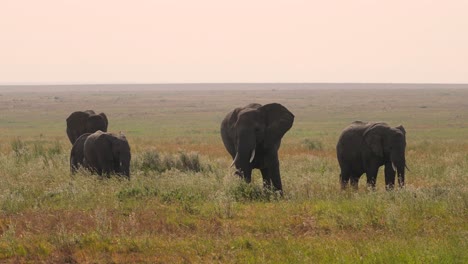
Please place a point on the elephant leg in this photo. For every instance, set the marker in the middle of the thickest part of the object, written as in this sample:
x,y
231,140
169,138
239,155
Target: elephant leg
x,y
116,167
248,176
354,180
104,166
73,165
389,177
401,181
95,168
275,177
266,178
107,168
344,178
372,176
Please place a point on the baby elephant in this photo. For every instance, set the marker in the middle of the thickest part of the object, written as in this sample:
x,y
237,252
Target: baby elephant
x,y
364,147
107,153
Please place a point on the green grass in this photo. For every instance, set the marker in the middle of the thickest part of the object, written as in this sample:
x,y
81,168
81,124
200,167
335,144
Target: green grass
x,y
184,205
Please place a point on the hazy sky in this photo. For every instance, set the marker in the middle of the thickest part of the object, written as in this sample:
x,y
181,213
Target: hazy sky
x,y
143,41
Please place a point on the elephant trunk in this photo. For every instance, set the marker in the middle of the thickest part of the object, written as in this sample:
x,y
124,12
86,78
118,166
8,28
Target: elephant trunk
x,y
243,162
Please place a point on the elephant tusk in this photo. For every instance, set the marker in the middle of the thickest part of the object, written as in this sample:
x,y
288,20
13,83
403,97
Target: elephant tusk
x,y
234,161
253,156
393,166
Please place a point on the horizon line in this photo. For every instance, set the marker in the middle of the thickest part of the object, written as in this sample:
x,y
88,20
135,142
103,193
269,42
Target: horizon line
x,y
229,83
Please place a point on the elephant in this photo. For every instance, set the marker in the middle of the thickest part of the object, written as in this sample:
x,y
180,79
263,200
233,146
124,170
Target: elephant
x,y
88,121
252,136
364,147
106,153
77,153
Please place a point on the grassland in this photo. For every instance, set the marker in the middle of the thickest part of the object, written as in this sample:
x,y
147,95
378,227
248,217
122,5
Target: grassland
x,y
171,212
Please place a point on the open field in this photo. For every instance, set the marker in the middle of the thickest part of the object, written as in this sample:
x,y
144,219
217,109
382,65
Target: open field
x,y
201,213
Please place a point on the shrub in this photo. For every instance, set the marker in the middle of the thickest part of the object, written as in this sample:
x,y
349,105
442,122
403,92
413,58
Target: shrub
x,y
153,161
18,147
312,144
189,162
168,162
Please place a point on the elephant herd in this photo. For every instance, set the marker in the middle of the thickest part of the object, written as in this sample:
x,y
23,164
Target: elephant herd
x,y
252,136
94,148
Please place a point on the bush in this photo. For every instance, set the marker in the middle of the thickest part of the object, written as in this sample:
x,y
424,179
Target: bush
x,y
311,144
153,161
19,147
188,162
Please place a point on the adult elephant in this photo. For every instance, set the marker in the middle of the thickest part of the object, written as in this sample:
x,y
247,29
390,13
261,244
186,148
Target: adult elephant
x,y
88,121
252,135
364,147
77,153
106,153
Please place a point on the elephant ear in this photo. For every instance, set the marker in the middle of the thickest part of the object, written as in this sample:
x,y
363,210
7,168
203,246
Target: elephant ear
x,y
278,121
232,117
77,118
105,120
402,129
374,138
95,123
76,125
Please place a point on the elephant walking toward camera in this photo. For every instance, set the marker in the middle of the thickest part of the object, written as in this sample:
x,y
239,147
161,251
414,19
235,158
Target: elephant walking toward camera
x,y
77,153
81,122
364,147
106,153
252,136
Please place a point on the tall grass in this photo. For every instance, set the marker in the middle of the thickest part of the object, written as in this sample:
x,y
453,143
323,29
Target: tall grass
x,y
46,213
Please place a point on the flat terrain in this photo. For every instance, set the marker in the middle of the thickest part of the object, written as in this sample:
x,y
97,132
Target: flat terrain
x,y
182,204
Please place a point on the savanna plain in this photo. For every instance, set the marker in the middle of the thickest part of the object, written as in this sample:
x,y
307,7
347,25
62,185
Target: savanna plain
x,y
184,205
